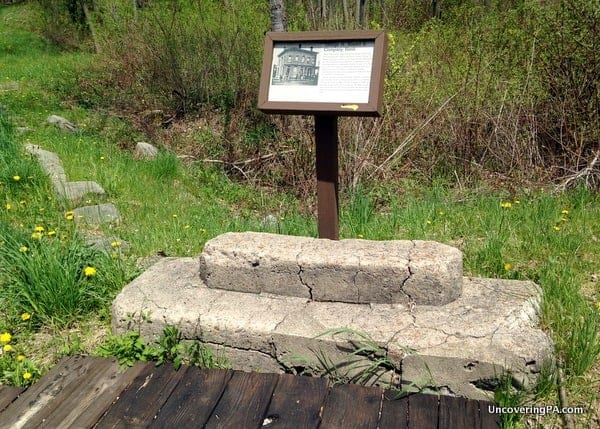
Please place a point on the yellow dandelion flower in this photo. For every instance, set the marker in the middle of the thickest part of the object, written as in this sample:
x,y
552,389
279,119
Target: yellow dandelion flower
x,y
5,337
441,213
8,206
7,348
556,228
517,202
25,316
89,271
36,235
69,215
506,204
16,178
564,219
27,375
361,236
20,358
565,212
428,222
23,249
598,305
507,267
39,229
51,233
116,244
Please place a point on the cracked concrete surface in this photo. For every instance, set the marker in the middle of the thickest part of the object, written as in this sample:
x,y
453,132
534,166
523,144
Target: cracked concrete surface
x,y
460,345
354,271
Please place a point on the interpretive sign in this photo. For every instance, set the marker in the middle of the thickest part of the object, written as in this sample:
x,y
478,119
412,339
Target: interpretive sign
x,y
316,72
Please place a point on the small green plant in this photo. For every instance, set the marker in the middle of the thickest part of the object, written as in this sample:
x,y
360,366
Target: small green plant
x,y
130,348
506,395
365,363
16,369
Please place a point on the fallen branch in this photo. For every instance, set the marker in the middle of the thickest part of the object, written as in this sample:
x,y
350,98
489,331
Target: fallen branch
x,y
587,172
247,161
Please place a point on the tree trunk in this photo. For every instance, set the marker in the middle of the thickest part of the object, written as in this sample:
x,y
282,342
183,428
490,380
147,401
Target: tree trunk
x,y
278,18
90,25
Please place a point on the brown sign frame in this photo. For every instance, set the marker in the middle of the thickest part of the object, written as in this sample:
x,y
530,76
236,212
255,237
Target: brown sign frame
x,y
336,40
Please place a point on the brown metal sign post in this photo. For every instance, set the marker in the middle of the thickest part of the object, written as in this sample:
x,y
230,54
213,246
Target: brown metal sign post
x,y
326,74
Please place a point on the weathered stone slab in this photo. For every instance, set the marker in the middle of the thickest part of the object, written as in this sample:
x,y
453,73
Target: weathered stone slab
x,y
97,214
62,123
50,163
355,271
461,346
76,191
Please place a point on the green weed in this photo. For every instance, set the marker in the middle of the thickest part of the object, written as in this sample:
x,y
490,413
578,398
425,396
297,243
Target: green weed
x,y
130,348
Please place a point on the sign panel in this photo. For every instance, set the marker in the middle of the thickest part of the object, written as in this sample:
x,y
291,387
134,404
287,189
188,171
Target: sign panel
x,y
338,72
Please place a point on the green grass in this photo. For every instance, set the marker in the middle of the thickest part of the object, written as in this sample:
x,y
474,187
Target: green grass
x,y
174,207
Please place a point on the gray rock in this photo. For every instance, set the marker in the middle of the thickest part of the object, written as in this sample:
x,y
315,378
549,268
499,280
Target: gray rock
x,y
356,271
145,150
62,123
76,191
50,163
97,214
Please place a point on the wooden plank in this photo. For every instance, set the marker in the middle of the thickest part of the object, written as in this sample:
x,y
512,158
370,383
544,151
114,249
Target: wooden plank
x,y
488,420
423,411
82,407
194,399
394,411
458,413
352,406
296,403
142,400
244,401
8,394
37,402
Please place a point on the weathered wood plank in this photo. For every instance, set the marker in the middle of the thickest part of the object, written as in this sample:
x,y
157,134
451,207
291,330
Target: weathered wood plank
x,y
8,394
352,406
458,413
97,391
296,403
36,403
488,421
244,401
194,399
142,400
423,411
394,412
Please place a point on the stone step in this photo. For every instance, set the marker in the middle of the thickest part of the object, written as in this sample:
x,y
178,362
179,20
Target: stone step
x,y
77,191
97,214
458,346
355,271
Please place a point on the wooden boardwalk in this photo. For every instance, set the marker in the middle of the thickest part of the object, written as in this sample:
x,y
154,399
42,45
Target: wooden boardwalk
x,y
88,392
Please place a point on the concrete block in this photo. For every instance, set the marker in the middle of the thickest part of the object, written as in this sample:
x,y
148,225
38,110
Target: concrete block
x,y
457,347
354,271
